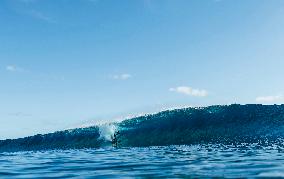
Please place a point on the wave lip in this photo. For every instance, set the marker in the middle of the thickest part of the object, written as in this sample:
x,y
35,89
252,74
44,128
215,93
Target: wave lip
x,y
231,124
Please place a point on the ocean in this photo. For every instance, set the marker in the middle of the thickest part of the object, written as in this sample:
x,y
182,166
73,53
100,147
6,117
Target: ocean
x,y
235,141
177,161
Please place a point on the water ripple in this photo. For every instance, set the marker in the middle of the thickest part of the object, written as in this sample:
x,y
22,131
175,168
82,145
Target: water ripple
x,y
171,161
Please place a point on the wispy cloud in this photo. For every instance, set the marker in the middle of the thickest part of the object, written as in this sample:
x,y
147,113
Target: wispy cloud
x,y
186,90
43,76
19,114
269,99
41,16
28,10
13,68
124,76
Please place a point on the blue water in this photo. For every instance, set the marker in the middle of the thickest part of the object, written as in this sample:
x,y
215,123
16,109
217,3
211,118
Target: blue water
x,y
247,160
232,141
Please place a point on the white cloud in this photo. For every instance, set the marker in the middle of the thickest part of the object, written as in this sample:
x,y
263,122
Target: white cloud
x,y
124,76
269,99
13,68
189,91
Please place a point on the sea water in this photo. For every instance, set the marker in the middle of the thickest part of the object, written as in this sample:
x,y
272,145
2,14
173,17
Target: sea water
x,y
247,160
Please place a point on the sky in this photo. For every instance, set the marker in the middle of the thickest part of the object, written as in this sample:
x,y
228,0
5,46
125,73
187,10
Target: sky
x,y
73,63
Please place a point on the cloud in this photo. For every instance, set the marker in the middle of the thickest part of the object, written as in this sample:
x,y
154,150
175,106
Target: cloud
x,y
42,76
13,68
39,15
189,91
124,76
19,114
269,99
36,14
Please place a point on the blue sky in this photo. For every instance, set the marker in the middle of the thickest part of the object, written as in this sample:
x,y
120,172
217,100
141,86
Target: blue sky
x,y
68,63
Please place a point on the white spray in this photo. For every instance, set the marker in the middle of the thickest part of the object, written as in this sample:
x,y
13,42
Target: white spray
x,y
107,131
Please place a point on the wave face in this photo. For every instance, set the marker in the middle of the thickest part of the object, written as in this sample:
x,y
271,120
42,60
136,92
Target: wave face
x,y
233,124
68,139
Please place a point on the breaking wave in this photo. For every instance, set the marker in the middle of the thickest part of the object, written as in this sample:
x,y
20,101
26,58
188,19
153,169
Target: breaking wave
x,y
232,124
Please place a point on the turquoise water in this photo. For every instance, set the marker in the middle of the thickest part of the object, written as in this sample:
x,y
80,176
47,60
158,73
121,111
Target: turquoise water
x,y
247,160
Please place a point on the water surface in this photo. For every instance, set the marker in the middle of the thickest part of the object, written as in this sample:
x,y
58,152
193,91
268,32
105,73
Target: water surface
x,y
247,160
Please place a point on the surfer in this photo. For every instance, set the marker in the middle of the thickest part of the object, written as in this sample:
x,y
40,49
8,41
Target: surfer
x,y
114,140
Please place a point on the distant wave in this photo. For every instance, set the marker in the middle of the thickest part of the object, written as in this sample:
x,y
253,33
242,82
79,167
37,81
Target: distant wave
x,y
232,124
